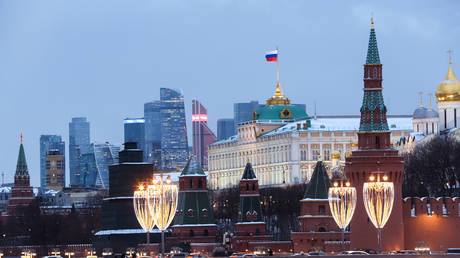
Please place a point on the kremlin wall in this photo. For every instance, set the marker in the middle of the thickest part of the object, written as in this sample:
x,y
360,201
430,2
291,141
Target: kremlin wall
x,y
414,222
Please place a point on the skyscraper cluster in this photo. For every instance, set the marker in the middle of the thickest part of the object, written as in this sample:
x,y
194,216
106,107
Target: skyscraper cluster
x,y
162,132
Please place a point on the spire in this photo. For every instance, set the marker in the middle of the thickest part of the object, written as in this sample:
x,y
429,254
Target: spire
x,y
450,73
319,183
431,100
248,173
21,167
372,50
192,168
278,98
421,98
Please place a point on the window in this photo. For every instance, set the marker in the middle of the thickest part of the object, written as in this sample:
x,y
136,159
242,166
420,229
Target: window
x,y
444,209
455,117
412,210
375,72
190,212
192,233
206,232
321,209
253,187
321,229
257,231
247,187
377,142
191,183
445,118
205,212
432,127
200,183
428,209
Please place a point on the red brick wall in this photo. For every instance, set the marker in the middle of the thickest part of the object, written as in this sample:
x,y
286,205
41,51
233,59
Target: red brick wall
x,y
438,231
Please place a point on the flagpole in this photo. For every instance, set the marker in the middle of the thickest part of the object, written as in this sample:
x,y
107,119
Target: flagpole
x,y
277,67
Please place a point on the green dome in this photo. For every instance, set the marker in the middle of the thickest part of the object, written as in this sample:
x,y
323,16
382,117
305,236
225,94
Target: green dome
x,y
279,112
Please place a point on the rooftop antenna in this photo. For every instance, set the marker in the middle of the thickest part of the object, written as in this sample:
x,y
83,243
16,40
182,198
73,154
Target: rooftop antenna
x,y
3,178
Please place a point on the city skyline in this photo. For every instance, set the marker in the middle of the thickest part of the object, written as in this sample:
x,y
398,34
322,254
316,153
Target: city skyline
x,y
409,67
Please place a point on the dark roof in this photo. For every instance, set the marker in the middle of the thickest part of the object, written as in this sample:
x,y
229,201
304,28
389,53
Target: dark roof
x,y
372,50
21,167
319,184
422,112
248,172
192,168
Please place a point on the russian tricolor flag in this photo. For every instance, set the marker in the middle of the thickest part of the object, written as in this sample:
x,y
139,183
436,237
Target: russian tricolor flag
x,y
272,56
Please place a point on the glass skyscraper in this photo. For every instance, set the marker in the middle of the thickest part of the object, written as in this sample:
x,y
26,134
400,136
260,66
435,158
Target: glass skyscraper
x,y
94,164
134,129
79,142
202,134
152,132
174,145
225,128
48,143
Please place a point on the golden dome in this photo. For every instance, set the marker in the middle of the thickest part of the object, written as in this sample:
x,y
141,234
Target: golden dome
x,y
449,89
335,155
278,98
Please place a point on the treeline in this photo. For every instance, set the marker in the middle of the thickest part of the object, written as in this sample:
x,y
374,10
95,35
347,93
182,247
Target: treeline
x,y
280,208
433,168
32,227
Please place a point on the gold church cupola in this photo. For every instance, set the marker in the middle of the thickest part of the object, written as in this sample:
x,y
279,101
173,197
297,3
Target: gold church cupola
x,y
449,89
278,98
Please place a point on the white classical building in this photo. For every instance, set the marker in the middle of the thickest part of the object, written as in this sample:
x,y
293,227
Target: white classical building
x,y
448,96
283,144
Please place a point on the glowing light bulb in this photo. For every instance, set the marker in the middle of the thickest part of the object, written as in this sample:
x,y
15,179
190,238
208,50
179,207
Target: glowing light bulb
x,y
155,181
385,178
347,184
336,184
141,188
372,178
168,180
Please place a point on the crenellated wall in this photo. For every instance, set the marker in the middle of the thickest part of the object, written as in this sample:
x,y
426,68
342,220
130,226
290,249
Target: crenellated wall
x,y
433,222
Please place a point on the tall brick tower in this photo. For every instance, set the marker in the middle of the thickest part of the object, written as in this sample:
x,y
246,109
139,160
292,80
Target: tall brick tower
x,y
375,154
21,193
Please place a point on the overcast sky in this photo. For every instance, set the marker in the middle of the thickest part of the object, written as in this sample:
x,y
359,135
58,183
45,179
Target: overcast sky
x,y
103,59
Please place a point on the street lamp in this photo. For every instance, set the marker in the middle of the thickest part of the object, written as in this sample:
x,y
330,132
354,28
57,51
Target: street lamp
x,y
162,203
142,211
69,254
91,254
378,199
342,202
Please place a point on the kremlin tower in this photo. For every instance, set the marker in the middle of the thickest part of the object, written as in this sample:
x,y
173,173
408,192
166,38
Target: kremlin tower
x,y
375,155
21,193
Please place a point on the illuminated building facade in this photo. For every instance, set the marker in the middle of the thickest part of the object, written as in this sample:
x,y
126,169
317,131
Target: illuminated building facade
x,y
134,131
174,145
202,134
283,145
94,164
79,142
55,164
47,143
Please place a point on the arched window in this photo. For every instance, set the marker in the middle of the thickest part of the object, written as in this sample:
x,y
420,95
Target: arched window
x,y
200,183
377,142
191,183
206,232
247,187
205,212
253,187
190,212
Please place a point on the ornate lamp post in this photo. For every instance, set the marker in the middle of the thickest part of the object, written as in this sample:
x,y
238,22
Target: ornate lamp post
x,y
162,203
342,202
378,200
141,208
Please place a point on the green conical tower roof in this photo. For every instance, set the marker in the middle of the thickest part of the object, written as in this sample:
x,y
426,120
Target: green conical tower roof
x,y
192,168
248,172
319,184
372,50
21,167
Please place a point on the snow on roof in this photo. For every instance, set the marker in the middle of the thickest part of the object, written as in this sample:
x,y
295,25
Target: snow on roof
x,y
341,124
125,231
5,189
229,139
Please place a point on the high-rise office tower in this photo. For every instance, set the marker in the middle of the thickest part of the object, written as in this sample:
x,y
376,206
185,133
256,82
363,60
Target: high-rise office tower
x,y
243,112
152,133
225,128
95,162
174,146
202,135
54,170
47,143
134,129
105,154
79,142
